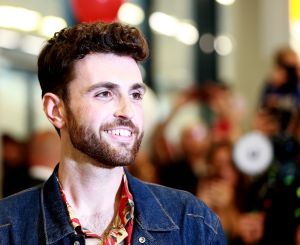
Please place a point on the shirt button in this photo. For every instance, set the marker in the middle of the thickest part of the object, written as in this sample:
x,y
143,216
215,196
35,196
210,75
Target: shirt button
x,y
142,239
76,243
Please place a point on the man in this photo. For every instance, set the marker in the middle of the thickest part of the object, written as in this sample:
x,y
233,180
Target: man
x,y
92,93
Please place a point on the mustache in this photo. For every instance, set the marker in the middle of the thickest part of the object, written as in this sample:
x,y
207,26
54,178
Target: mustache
x,y
121,123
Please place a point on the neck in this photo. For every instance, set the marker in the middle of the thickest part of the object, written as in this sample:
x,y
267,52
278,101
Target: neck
x,y
90,189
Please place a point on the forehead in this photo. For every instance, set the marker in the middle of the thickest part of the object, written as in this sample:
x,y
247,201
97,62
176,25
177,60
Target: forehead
x,y
101,67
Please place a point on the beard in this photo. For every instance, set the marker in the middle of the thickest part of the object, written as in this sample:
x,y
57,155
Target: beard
x,y
105,154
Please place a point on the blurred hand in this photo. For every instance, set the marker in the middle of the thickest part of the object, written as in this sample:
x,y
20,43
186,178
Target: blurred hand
x,y
250,227
297,235
188,95
217,194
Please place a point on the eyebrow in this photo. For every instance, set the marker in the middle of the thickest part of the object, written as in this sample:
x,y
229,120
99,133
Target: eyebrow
x,y
111,85
139,86
108,85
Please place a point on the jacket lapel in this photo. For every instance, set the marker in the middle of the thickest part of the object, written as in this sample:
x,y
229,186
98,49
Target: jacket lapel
x,y
56,222
149,212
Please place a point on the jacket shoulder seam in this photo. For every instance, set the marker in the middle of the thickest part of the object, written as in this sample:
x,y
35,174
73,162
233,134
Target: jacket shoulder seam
x,y
165,211
5,225
213,228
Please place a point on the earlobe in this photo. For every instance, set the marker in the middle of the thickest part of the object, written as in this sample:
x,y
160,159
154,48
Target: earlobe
x,y
53,108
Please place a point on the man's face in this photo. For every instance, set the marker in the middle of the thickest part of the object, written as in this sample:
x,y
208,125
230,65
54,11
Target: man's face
x,y
104,111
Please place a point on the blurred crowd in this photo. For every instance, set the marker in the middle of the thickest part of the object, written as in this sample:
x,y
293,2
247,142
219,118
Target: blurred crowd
x,y
26,164
260,208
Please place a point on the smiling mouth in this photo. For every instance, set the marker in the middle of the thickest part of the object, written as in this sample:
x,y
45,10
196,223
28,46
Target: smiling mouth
x,y
119,132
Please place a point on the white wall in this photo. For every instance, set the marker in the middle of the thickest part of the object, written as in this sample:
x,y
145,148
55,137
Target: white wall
x,y
172,60
258,28
13,103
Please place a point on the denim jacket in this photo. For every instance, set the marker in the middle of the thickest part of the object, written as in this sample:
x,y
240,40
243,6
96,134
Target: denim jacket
x,y
162,216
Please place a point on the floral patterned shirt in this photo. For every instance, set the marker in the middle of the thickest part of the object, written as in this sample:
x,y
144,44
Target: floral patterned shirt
x,y
121,229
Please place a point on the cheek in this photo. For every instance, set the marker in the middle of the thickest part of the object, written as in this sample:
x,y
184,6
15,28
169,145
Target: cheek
x,y
139,115
89,118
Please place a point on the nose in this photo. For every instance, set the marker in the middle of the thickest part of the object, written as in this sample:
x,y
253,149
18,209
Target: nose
x,y
124,109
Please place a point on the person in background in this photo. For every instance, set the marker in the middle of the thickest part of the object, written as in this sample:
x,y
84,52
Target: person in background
x,y
92,91
281,90
143,168
15,173
224,190
43,155
225,125
273,193
180,164
189,166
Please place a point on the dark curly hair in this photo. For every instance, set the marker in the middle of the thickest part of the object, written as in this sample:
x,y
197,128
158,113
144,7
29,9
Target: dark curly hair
x,y
56,60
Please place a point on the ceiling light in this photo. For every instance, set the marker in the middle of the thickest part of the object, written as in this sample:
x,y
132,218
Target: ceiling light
x,y
131,14
51,24
18,18
163,23
225,2
206,43
223,45
187,33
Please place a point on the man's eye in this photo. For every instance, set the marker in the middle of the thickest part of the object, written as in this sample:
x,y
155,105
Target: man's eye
x,y
137,96
104,94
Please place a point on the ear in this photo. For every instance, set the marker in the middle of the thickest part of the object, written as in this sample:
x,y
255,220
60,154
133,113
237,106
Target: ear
x,y
54,109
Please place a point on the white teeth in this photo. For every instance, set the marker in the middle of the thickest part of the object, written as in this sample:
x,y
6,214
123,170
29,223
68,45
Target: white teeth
x,y
120,132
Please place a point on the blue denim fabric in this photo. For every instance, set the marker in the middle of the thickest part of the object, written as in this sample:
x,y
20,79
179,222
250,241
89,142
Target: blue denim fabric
x,y
162,216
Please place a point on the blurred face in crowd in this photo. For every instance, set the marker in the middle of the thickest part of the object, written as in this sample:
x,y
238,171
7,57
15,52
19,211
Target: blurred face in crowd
x,y
104,108
290,58
222,165
265,123
44,149
194,139
12,152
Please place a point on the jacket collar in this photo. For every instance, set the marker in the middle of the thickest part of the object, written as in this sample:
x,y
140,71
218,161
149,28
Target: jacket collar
x,y
56,219
149,212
